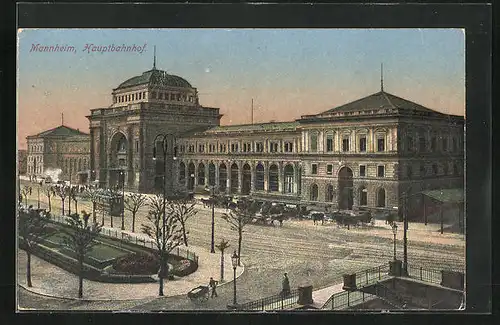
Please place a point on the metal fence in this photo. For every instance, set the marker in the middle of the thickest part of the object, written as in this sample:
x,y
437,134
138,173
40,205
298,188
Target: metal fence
x,y
424,274
134,239
275,302
372,275
346,299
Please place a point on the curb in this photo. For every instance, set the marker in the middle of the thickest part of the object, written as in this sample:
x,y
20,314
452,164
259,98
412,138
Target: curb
x,y
129,299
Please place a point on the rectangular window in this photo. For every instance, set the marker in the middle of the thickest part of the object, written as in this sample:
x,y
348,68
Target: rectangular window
x,y
329,142
288,147
362,171
153,95
380,171
345,144
409,171
201,148
445,144
454,144
314,169
234,147
259,147
160,96
362,144
273,147
380,144
329,169
136,145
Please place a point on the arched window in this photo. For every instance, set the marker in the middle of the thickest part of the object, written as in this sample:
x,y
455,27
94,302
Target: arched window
x,y
259,177
234,178
363,196
329,193
201,174
314,192
381,198
273,178
182,172
288,175
211,174
79,164
222,177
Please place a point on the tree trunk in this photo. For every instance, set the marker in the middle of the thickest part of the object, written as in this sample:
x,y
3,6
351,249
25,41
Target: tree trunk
x,y
133,221
240,237
28,269
76,206
50,205
80,276
184,234
62,206
93,212
222,266
160,276
111,217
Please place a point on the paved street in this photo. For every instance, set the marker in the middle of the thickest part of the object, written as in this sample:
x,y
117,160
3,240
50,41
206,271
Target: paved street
x,y
313,254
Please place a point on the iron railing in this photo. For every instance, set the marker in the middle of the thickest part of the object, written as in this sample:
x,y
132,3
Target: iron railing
x,y
424,274
134,239
346,299
372,275
275,302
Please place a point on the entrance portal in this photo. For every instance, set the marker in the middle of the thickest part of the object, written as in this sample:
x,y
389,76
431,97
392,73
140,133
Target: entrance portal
x,y
345,189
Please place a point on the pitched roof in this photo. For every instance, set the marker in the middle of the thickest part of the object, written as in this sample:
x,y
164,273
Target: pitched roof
x,y
379,100
155,77
260,127
60,131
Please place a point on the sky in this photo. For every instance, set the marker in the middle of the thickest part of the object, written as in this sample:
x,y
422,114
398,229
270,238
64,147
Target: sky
x,y
287,72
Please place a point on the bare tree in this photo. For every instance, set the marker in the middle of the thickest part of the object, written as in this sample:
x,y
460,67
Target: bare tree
x,y
73,195
133,202
25,191
62,192
182,209
165,231
221,246
49,192
92,194
238,218
32,227
80,237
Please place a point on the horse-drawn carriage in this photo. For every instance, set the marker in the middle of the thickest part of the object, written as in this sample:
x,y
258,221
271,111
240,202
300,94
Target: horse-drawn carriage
x,y
199,293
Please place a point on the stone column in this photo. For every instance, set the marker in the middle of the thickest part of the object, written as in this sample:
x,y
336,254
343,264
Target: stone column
x,y
252,172
295,177
371,140
280,178
266,176
216,174
207,173
228,176
195,174
240,177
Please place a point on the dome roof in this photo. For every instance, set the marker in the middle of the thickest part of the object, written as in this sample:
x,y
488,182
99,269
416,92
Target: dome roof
x,y
156,77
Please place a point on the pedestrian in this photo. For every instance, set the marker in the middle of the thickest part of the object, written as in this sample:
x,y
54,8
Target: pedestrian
x,y
213,285
286,285
30,190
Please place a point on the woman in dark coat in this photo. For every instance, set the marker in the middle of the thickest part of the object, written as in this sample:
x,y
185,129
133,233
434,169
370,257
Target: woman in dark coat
x,y
286,285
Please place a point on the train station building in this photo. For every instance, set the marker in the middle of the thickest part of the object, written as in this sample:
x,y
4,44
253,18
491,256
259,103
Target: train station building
x,y
377,152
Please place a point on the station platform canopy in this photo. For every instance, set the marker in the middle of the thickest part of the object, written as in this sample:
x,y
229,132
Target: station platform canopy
x,y
452,195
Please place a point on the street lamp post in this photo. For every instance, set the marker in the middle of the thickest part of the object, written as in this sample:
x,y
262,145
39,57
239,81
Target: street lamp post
x,y
234,261
394,231
38,192
212,249
123,199
164,147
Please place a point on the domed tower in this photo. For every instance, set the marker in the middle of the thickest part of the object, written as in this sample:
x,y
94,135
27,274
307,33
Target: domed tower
x,y
123,134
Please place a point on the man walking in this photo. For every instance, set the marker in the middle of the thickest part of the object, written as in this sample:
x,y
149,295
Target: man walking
x,y
286,285
213,285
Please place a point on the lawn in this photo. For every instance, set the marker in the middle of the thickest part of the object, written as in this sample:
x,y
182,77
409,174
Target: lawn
x,y
100,252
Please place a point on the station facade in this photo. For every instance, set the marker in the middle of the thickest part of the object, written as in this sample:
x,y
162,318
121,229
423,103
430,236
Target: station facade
x,y
374,152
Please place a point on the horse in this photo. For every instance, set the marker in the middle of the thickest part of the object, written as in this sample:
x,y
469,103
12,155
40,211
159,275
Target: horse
x,y
318,216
